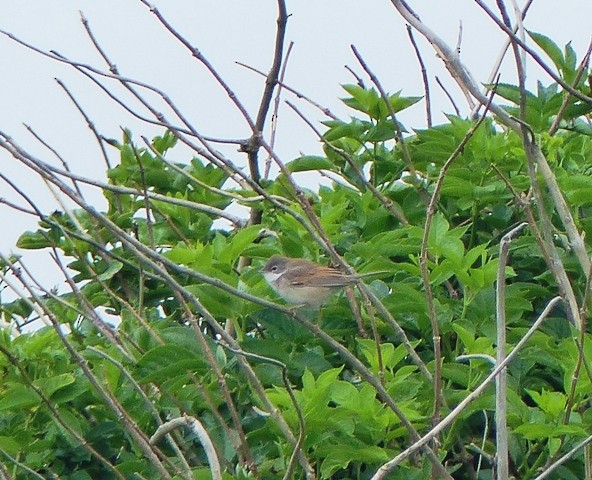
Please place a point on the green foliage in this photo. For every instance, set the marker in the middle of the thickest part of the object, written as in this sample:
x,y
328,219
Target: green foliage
x,y
54,395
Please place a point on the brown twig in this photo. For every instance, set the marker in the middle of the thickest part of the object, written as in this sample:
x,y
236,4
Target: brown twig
x,y
359,80
424,76
389,106
276,108
89,123
447,93
144,187
243,448
452,62
270,83
297,93
545,474
299,415
535,158
149,404
54,152
499,60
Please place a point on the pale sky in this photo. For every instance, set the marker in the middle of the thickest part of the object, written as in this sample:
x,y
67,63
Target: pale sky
x,y
228,31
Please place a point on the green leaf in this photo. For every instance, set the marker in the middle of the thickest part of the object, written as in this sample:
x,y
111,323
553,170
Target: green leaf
x,y
550,48
52,384
459,373
363,100
466,337
570,59
217,301
400,103
339,129
340,456
9,445
17,397
310,162
535,431
113,268
168,361
162,144
33,240
552,403
238,243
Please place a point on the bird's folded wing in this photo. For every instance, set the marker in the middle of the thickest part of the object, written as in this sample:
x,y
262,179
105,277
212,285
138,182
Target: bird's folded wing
x,y
319,277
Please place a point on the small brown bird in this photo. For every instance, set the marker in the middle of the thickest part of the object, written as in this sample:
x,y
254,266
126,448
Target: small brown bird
x,y
303,282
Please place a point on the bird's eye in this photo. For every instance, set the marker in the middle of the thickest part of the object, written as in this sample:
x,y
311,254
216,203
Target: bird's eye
x,y
274,268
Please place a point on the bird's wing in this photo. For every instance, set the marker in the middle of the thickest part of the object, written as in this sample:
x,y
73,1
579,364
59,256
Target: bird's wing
x,y
319,277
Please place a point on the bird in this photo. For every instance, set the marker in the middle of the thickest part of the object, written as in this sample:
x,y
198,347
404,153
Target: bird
x,y
305,283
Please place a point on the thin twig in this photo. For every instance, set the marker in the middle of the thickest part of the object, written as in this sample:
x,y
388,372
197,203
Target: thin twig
x,y
424,76
243,447
359,79
447,93
18,464
55,152
535,158
394,209
301,423
587,441
276,108
389,106
37,303
149,405
89,123
452,62
297,93
270,83
498,63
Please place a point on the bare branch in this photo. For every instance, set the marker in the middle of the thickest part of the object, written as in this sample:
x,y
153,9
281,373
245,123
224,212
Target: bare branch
x,y
276,108
270,83
200,432
501,427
